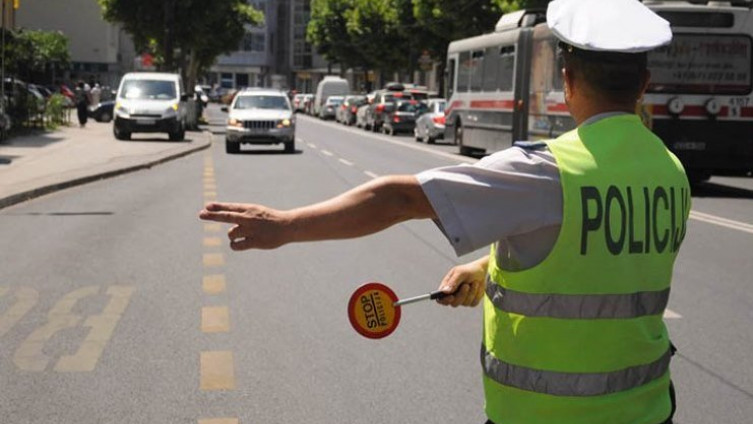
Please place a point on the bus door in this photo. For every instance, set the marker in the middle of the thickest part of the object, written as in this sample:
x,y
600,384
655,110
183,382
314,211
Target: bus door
x,y
521,86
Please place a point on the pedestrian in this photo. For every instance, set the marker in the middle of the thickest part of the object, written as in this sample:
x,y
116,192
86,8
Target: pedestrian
x,y
584,231
82,99
96,94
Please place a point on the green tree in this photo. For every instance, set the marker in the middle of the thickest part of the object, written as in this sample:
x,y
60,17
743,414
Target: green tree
x,y
185,34
31,53
328,32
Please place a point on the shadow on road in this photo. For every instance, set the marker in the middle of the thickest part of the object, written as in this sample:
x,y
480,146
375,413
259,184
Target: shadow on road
x,y
716,190
267,152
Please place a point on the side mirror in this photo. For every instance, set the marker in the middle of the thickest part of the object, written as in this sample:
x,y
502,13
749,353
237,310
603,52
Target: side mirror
x,y
224,108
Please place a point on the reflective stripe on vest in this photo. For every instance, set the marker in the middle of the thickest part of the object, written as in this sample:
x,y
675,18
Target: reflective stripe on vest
x,y
572,384
568,306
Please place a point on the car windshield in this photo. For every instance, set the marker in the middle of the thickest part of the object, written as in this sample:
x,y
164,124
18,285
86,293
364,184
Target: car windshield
x,y
148,89
261,102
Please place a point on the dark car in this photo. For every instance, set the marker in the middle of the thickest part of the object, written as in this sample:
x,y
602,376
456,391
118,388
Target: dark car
x,y
103,111
346,114
384,103
402,118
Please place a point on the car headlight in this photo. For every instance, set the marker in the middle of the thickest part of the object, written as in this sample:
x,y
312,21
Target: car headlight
x,y
234,123
171,111
285,123
122,110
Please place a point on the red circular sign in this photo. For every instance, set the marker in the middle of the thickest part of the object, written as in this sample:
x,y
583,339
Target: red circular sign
x,y
371,311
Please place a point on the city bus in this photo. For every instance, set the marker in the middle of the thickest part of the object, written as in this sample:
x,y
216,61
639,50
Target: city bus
x,y
507,86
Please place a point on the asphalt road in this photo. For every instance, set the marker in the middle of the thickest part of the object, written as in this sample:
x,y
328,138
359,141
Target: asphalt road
x,y
118,306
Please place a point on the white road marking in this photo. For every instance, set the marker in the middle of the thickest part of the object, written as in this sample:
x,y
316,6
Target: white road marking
x,y
698,216
345,162
411,145
327,153
723,222
371,174
670,314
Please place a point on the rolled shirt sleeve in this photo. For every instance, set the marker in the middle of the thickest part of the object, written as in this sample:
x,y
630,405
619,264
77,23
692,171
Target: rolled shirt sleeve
x,y
509,193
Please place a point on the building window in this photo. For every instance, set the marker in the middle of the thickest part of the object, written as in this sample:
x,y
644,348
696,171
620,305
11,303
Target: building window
x,y
254,42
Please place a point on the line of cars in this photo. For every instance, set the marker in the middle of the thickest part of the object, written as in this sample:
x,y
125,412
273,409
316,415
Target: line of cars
x,y
397,108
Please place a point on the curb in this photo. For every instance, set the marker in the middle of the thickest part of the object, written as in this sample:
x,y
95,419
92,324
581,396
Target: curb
x,y
17,198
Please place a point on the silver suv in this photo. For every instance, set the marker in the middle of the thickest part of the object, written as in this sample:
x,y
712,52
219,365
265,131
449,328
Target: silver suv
x,y
258,116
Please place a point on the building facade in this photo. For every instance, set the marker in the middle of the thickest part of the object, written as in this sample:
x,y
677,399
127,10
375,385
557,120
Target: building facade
x,y
99,50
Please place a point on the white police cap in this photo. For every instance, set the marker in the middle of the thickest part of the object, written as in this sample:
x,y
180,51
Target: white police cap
x,y
620,26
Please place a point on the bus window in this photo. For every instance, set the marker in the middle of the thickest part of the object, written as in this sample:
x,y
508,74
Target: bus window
x,y
464,72
506,68
477,70
491,69
451,78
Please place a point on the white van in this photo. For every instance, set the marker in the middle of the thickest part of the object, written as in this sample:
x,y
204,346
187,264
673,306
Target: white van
x,y
150,102
329,86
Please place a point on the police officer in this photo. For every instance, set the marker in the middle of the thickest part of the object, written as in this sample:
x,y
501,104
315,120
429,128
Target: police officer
x,y
584,232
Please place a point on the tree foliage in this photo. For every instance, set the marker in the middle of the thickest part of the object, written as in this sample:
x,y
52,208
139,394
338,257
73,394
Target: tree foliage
x,y
390,35
185,34
35,51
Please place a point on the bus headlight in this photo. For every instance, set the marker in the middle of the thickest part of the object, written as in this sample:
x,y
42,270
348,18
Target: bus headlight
x,y
713,107
675,106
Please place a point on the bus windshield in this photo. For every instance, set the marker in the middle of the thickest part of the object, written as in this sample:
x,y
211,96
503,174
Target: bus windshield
x,y
702,64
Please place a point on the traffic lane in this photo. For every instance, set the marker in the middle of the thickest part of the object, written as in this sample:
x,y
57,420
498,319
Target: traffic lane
x,y
293,336
726,197
713,369
137,232
377,153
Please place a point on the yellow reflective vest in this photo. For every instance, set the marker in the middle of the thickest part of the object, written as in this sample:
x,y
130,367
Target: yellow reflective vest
x,y
579,338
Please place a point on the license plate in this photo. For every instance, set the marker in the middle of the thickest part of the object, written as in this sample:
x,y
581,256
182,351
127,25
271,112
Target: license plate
x,y
690,145
146,121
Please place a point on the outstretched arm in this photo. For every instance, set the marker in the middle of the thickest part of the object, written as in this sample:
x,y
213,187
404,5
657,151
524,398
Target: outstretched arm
x,y
366,209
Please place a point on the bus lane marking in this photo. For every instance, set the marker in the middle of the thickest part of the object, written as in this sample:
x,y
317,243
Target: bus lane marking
x,y
26,298
215,319
217,371
345,162
371,174
670,314
30,356
327,153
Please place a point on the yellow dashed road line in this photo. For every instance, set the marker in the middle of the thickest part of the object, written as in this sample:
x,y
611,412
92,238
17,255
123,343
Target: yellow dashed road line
x,y
214,259
215,319
217,371
214,284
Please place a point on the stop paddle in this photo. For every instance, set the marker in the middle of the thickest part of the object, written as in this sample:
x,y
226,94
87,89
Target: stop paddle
x,y
374,309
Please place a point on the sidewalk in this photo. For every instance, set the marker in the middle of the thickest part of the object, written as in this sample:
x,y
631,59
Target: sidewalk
x,y
42,163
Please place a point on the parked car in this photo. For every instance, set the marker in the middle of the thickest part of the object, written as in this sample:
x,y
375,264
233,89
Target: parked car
x,y
260,116
361,116
430,125
402,118
328,109
103,111
346,113
384,102
298,102
150,102
329,86
308,104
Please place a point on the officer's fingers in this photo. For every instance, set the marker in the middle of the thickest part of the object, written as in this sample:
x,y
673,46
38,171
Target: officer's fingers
x,y
242,244
228,217
227,207
479,295
460,295
238,232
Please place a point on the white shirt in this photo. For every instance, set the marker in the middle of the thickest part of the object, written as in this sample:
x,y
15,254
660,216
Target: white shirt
x,y
513,197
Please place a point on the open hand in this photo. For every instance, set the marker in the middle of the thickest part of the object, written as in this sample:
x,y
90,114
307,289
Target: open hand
x,y
256,226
